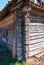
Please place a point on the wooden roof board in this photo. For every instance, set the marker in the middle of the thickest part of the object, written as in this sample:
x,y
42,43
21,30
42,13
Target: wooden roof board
x,y
34,9
37,10
8,8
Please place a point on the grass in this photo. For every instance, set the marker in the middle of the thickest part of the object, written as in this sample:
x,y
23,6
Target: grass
x,y
9,61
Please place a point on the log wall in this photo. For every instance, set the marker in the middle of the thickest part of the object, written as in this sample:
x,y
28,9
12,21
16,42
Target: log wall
x,y
18,30
26,36
34,33
10,39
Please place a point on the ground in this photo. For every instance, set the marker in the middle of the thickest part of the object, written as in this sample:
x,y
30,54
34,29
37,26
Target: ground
x,y
31,61
6,58
36,61
4,53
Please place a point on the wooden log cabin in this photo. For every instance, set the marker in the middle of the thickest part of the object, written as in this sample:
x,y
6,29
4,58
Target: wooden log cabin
x,y
22,29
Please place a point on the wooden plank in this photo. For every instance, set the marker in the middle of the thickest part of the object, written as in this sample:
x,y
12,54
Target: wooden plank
x,y
10,38
36,51
36,37
36,24
39,55
36,47
36,44
36,32
36,40
33,34
14,49
36,28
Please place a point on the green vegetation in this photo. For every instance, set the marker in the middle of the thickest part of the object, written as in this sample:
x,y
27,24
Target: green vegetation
x,y
9,61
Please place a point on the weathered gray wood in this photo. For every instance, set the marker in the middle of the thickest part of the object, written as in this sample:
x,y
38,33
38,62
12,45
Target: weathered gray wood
x,y
0,37
36,51
26,35
19,43
36,40
10,38
34,35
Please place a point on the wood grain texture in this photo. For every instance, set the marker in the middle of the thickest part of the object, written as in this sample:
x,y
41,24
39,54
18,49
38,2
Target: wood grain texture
x,y
36,35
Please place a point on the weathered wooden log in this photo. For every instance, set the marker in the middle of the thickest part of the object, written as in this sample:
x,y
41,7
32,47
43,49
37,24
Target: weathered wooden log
x,y
15,41
4,36
19,35
14,49
10,39
26,35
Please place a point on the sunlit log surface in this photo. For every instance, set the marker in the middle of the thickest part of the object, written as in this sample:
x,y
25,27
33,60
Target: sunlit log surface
x,y
25,29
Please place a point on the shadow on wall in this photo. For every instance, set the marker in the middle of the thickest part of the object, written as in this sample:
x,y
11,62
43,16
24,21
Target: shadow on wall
x,y
36,19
